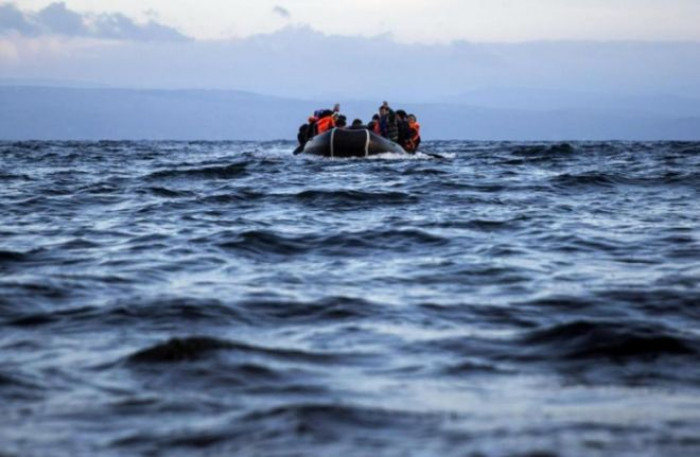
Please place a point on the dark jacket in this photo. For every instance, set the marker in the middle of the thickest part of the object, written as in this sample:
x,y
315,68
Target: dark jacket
x,y
403,130
306,132
388,125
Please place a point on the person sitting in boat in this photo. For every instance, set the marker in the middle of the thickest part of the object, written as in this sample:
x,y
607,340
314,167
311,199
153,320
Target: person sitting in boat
x,y
387,123
326,121
323,112
306,132
341,121
402,126
357,124
374,125
413,140
325,118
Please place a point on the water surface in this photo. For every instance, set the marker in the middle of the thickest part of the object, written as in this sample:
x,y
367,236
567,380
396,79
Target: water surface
x,y
508,299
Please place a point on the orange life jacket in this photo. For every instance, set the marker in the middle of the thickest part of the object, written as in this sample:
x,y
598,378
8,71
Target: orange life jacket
x,y
413,142
325,123
414,126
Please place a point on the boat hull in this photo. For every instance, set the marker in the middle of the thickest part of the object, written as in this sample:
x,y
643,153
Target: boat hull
x,y
350,143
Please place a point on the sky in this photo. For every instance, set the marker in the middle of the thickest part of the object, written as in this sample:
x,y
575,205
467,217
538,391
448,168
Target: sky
x,y
431,50
617,57
410,21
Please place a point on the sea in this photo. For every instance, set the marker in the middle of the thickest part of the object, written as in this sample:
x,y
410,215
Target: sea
x,y
231,299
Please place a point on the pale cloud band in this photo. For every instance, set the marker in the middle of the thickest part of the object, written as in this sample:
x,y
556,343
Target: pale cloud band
x,y
407,21
57,19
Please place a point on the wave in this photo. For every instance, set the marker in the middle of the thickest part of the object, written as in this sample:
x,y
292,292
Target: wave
x,y
135,314
233,196
322,312
567,180
321,416
160,191
304,428
267,242
586,340
675,299
546,150
198,313
393,239
482,225
340,198
470,368
4,176
684,147
192,348
235,170
609,180
181,349
19,386
10,257
36,290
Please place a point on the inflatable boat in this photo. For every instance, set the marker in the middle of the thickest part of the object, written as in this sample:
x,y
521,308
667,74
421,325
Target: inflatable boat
x,y
339,142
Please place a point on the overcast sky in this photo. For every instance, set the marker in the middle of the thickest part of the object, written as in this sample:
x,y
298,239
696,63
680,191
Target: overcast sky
x,y
414,50
425,21
615,56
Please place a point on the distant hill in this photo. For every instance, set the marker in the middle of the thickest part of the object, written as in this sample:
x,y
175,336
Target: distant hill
x,y
68,113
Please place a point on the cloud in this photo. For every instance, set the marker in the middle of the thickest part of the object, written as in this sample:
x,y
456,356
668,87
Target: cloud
x,y
119,27
12,19
57,19
282,11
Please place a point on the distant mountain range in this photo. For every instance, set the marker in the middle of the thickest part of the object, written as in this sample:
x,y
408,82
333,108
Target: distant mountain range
x,y
69,112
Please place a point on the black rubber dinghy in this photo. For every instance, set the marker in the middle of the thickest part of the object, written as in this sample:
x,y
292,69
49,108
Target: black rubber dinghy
x,y
350,143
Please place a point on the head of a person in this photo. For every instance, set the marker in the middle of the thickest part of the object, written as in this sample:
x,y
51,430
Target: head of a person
x,y
383,110
311,119
336,108
356,122
341,121
412,118
375,117
401,114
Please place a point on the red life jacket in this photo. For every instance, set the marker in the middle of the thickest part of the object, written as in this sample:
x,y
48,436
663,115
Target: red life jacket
x,y
325,123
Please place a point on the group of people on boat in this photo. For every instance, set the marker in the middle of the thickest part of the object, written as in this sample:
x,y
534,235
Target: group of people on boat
x,y
397,126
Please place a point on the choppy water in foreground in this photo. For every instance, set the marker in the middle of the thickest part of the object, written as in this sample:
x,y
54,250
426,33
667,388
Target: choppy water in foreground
x,y
509,299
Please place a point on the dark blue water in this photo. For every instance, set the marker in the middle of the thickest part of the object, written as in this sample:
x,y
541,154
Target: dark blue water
x,y
507,299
